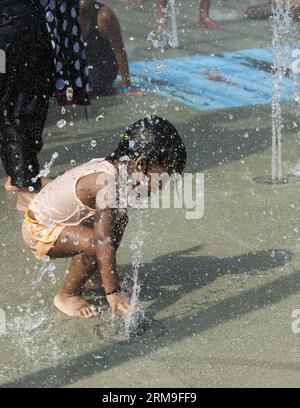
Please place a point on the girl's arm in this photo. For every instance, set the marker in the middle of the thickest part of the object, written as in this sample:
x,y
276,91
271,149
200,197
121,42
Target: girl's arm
x,y
107,236
104,227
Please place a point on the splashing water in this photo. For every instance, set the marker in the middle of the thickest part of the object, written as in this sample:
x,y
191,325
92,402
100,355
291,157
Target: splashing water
x,y
61,123
166,37
47,167
158,41
174,42
135,323
136,315
35,337
47,268
283,32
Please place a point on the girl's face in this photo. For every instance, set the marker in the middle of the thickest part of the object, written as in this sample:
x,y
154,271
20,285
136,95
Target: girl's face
x,y
141,173
157,169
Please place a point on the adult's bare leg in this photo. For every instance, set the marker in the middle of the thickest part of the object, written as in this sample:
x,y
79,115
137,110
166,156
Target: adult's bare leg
x,y
204,20
260,12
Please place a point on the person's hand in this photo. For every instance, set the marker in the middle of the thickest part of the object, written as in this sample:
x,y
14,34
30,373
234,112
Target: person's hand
x,y
131,91
134,93
119,301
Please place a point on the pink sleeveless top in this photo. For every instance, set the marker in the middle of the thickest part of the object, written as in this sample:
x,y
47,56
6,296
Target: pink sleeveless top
x,y
57,203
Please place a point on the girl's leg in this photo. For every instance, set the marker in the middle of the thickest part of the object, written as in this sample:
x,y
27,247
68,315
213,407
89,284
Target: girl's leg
x,y
77,242
69,300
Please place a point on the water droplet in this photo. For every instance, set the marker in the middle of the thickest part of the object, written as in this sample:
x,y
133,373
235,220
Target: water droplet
x,y
93,144
99,117
51,267
69,93
61,123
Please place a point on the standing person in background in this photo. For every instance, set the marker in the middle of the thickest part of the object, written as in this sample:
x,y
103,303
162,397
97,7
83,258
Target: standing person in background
x,y
35,71
204,20
105,48
25,89
264,11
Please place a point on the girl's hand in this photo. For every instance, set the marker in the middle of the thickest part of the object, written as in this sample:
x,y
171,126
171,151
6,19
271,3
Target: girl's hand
x,y
119,301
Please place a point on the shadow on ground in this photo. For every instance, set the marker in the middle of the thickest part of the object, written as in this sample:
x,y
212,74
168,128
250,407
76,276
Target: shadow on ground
x,y
190,272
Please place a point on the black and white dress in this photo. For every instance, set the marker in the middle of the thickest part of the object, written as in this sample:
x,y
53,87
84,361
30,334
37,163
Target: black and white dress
x,y
71,71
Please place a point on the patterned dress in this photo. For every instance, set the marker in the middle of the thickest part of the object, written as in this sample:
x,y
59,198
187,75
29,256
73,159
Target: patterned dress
x,y
70,59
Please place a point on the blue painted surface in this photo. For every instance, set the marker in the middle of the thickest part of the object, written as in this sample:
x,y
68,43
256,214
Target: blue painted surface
x,y
206,82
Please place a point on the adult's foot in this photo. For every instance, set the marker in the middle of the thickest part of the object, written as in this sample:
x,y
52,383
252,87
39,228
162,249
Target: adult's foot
x,y
23,200
8,186
75,306
207,22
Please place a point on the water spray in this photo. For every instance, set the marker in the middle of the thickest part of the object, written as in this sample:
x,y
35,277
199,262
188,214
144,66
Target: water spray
x,y
166,37
174,42
282,23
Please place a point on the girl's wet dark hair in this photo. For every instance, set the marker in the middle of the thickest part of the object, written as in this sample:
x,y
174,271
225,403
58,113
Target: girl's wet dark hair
x,y
157,140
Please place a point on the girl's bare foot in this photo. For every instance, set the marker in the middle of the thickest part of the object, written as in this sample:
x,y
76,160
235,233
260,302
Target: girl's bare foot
x,y
75,306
